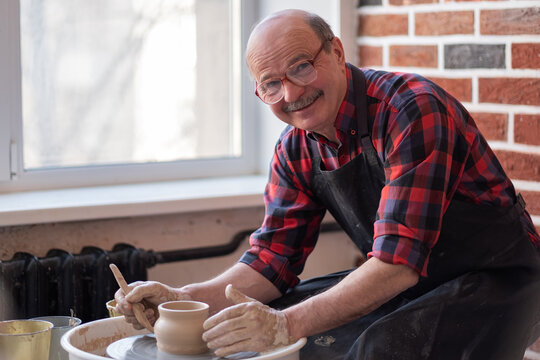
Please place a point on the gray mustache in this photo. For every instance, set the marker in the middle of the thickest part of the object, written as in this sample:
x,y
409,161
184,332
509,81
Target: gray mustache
x,y
302,102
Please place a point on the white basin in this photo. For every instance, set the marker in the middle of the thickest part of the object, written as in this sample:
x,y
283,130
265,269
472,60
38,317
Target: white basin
x,y
89,341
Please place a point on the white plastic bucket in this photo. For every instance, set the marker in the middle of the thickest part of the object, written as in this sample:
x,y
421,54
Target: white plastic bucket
x,y
89,341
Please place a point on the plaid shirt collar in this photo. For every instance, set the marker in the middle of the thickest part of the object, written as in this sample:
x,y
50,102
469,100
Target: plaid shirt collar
x,y
345,120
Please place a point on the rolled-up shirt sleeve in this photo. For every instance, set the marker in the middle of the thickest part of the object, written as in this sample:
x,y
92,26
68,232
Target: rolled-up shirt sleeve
x,y
425,154
289,232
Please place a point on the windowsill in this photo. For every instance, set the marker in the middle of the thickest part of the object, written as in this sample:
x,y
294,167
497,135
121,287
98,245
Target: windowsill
x,y
102,202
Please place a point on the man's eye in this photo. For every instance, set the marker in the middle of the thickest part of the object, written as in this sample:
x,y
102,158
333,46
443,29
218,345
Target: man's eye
x,y
272,85
299,69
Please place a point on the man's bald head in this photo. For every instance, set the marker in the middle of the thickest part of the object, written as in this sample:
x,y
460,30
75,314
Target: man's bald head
x,y
266,28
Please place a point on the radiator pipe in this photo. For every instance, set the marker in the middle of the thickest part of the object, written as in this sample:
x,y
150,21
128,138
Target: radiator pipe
x,y
163,257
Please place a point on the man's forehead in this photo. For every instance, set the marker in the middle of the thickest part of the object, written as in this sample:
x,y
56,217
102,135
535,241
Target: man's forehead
x,y
273,62
290,42
280,47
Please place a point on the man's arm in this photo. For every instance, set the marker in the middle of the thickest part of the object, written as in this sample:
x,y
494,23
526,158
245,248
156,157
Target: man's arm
x,y
362,291
251,326
242,277
211,292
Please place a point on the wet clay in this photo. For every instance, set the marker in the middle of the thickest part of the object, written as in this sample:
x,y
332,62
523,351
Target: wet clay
x,y
98,345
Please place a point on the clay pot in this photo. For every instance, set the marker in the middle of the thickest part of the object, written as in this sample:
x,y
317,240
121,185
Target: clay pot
x,y
179,327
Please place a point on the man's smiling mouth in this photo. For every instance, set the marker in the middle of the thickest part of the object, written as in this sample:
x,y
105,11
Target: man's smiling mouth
x,y
302,103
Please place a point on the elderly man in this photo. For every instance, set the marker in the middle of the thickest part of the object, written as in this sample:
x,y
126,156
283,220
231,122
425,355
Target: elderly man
x,y
453,265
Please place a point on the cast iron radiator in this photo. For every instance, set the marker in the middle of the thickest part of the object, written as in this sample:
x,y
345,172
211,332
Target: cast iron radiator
x,y
62,282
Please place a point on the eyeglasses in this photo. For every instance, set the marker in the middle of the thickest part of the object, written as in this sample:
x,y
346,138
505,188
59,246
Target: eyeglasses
x,y
301,73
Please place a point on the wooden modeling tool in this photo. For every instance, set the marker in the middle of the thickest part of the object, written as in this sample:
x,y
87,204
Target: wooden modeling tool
x,y
138,308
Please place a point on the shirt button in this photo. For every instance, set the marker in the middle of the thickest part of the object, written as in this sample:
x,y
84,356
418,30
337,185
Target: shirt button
x,y
353,132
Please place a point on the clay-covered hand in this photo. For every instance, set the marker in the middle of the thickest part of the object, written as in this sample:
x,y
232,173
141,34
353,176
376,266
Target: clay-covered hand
x,y
248,325
150,294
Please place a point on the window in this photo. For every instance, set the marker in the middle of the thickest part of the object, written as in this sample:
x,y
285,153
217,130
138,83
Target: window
x,y
113,91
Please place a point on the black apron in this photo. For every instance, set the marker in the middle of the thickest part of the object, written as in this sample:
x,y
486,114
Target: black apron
x,y
480,300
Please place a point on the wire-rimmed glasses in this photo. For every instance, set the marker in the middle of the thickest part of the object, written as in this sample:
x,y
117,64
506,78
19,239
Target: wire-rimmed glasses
x,y
300,73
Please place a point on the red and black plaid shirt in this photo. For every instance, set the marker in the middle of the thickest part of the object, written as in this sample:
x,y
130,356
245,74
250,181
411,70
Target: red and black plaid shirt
x,y
432,152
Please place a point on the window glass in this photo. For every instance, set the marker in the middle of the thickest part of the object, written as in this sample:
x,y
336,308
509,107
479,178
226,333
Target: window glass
x,y
117,81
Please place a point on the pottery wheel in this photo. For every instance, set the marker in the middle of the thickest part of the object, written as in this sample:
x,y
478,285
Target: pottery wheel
x,y
144,347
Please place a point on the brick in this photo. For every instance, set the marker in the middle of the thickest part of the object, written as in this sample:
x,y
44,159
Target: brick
x,y
517,91
369,2
411,2
526,56
460,88
474,56
413,55
532,198
519,165
383,25
510,21
527,129
494,126
369,55
444,23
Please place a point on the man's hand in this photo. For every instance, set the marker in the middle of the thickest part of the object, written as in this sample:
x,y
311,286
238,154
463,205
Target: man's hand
x,y
246,326
150,294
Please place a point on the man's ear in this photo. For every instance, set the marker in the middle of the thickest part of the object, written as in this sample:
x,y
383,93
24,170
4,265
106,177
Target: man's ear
x,y
338,51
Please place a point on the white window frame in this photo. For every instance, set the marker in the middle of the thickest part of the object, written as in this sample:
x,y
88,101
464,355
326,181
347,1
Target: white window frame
x,y
261,130
14,178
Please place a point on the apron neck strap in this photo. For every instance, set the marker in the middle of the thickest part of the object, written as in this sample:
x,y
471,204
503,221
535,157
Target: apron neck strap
x,y
359,83
361,110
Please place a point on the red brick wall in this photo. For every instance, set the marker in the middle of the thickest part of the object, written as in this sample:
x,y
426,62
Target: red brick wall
x,y
485,53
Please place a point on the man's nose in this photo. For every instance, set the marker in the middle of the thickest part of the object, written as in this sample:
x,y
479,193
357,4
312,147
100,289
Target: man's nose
x,y
291,91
